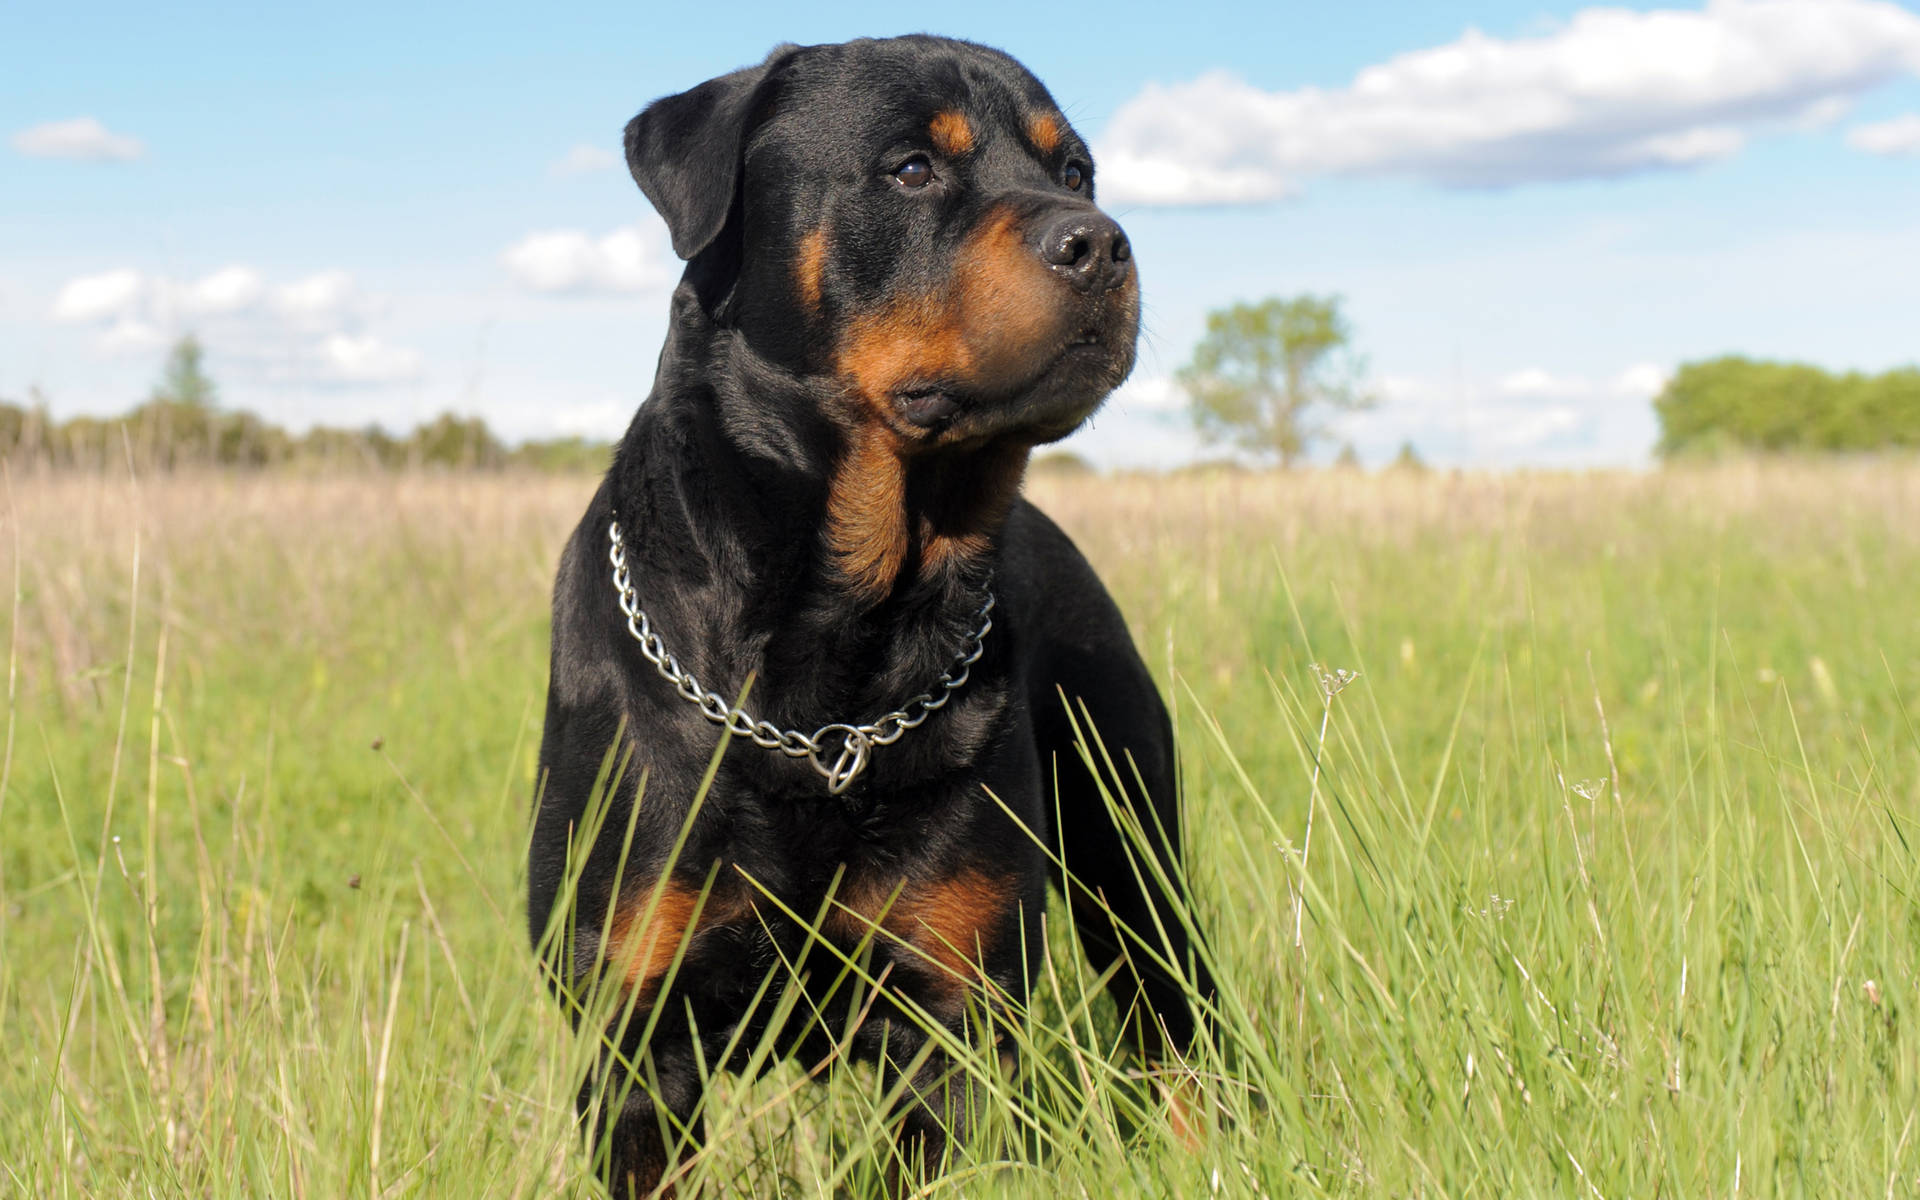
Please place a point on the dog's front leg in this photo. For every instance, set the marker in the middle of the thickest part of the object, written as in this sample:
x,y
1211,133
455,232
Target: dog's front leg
x,y
941,1095
936,1118
644,1124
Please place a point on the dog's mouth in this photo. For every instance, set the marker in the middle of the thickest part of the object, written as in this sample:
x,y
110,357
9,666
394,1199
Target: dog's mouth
x,y
937,405
927,407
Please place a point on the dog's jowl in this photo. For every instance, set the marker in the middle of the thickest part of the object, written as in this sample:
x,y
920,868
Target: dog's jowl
x,y
811,543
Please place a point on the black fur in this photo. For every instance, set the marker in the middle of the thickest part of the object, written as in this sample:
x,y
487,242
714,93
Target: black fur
x,y
733,486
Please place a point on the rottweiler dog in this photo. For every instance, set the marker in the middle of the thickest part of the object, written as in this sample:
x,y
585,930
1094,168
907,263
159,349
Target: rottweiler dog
x,y
811,544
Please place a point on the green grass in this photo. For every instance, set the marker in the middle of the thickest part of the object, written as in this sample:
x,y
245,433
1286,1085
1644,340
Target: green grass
x,y
1610,891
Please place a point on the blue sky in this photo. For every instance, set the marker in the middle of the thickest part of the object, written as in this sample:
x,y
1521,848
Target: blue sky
x,y
1533,211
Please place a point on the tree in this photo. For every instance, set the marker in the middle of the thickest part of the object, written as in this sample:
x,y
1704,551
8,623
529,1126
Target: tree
x,y
1739,404
184,380
1263,370
450,441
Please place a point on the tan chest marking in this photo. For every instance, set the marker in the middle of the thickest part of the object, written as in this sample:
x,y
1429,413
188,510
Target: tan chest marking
x,y
944,929
651,924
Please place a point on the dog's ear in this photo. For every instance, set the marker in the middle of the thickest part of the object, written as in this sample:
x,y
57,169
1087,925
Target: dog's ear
x,y
685,151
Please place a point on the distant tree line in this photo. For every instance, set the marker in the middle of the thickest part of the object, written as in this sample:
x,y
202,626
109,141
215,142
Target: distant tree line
x,y
1739,404
160,435
181,425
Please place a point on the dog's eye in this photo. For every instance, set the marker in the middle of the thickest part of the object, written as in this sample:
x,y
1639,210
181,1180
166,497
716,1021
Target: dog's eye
x,y
916,172
1072,178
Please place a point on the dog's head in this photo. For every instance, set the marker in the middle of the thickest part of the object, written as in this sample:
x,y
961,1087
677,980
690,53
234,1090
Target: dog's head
x,y
912,220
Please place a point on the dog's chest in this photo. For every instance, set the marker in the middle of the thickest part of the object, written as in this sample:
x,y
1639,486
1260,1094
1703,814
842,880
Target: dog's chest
x,y
829,905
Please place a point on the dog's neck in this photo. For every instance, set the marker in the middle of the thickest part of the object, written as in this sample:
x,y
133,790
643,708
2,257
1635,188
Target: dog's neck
x,y
834,506
798,550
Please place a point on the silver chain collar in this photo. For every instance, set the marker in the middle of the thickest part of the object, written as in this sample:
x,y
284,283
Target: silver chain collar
x,y
856,741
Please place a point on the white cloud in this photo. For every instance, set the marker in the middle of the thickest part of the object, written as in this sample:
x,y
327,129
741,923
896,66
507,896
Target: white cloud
x,y
348,359
1524,417
602,419
632,259
1639,380
99,297
1642,379
1611,92
1532,381
1530,416
1526,430
583,159
228,290
1144,424
1901,135
131,335
306,332
131,295
320,302
1149,393
81,137
1823,113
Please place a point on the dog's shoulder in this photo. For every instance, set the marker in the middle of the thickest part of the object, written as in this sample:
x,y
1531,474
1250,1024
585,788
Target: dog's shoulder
x,y
583,667
1050,584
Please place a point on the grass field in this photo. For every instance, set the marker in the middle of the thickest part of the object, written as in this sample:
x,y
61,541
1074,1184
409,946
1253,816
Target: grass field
x,y
1610,891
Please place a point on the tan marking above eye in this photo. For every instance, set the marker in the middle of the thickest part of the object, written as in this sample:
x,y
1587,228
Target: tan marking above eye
x,y
1043,130
952,135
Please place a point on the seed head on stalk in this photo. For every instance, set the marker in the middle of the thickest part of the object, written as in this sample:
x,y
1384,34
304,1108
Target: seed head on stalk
x,y
1332,683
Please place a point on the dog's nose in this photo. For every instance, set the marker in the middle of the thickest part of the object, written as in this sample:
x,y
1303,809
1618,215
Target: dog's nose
x,y
1089,249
